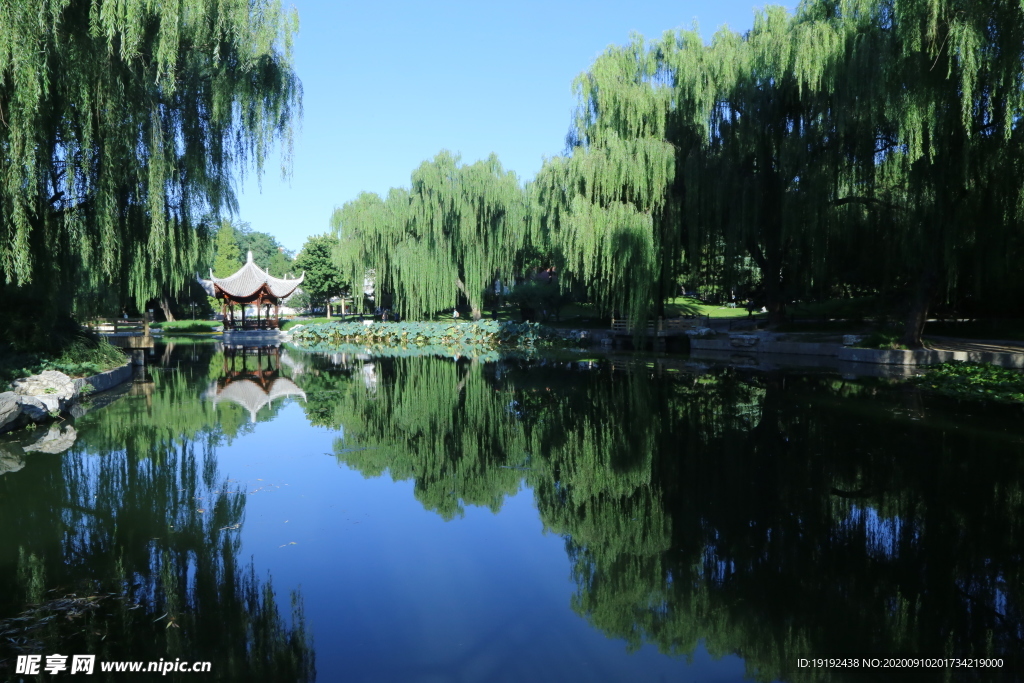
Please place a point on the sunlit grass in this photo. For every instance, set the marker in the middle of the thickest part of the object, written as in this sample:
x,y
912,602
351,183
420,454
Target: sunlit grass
x,y
189,326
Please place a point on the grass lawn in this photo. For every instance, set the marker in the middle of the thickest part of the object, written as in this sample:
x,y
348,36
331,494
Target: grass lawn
x,y
684,305
188,326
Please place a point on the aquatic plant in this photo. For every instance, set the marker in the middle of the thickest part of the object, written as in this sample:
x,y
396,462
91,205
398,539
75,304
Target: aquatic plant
x,y
463,338
975,380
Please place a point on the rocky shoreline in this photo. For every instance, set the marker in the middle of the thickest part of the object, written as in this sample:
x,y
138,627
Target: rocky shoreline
x,y
45,397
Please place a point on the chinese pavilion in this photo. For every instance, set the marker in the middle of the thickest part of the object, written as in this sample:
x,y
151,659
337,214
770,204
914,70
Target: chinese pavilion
x,y
250,285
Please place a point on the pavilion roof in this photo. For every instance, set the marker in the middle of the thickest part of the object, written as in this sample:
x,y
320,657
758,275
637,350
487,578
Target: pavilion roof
x,y
248,280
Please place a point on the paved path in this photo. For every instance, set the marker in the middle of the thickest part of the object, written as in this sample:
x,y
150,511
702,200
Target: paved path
x,y
981,345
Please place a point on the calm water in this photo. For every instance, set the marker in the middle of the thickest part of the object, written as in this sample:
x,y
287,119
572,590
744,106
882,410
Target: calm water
x,y
290,516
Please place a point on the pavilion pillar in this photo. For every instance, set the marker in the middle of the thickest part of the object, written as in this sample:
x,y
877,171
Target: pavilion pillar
x,y
224,312
259,305
243,316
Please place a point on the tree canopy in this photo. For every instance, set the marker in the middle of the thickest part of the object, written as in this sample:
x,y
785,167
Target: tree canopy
x,y
454,232
267,252
122,125
227,254
324,280
857,144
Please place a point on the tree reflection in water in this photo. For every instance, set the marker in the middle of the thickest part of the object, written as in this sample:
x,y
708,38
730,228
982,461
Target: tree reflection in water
x,y
767,515
136,522
770,516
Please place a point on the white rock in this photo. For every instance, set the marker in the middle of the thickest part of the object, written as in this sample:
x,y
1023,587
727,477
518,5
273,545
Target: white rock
x,y
10,410
55,389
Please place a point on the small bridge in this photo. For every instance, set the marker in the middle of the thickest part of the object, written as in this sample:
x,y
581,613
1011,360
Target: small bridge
x,y
121,326
662,327
657,331
129,334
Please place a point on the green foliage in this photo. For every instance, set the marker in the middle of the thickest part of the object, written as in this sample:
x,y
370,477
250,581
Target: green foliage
x,y
186,591
85,358
883,339
289,324
267,252
974,381
109,171
324,280
457,229
81,357
228,255
188,326
234,239
536,297
864,146
468,339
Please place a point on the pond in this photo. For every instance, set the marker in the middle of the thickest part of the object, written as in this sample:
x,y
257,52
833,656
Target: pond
x,y
289,516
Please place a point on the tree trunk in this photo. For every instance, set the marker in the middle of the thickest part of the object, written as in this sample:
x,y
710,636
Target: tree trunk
x,y
773,298
474,305
771,274
165,306
917,315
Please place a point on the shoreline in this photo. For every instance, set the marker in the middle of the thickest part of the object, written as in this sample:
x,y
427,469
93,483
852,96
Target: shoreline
x,y
44,398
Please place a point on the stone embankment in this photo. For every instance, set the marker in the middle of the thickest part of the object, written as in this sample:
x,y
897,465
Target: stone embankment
x,y
945,352
45,397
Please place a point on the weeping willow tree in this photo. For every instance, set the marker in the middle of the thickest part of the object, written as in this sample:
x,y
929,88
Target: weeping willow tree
x,y
756,185
457,229
607,209
712,149
946,95
857,145
121,126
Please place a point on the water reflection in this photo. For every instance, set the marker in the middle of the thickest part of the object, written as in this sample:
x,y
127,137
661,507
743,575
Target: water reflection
x,y
770,516
252,378
126,545
766,515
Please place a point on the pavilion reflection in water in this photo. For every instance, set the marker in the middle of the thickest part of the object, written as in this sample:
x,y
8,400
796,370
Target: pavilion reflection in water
x,y
252,378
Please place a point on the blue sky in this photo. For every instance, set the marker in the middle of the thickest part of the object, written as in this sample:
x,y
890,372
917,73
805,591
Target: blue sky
x,y
390,83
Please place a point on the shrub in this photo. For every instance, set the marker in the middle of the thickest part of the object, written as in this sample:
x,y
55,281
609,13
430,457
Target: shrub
x,y
80,357
882,339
